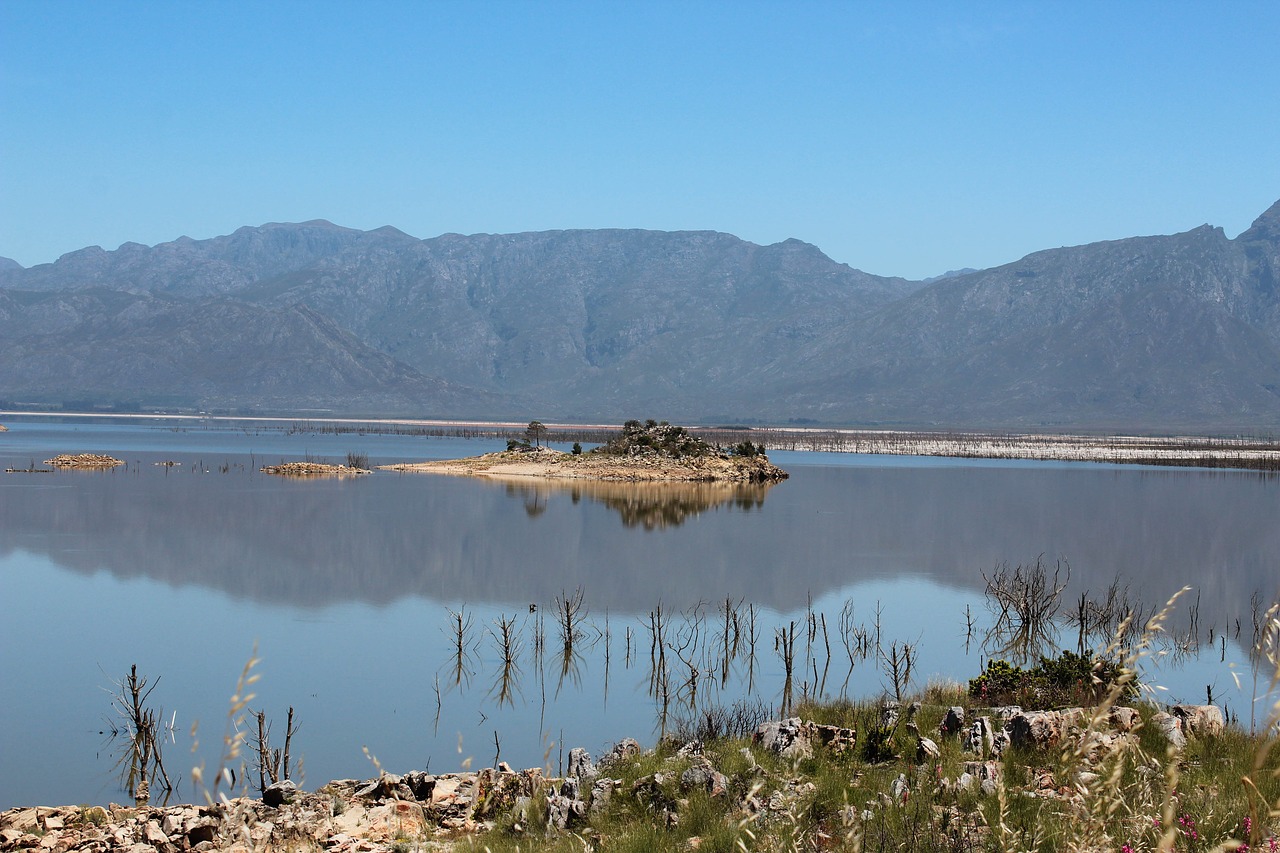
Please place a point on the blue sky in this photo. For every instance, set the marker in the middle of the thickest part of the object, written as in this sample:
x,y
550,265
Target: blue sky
x,y
900,138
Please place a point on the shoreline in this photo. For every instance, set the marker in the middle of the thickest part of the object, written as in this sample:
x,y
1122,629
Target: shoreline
x,y
1185,450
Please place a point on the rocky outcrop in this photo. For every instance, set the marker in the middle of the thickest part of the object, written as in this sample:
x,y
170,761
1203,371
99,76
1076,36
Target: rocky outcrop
x,y
796,738
312,469
83,460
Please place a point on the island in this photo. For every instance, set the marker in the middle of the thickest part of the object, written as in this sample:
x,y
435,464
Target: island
x,y
83,460
642,452
313,469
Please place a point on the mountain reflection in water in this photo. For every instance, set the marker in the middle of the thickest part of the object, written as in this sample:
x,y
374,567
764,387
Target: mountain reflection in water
x,y
650,505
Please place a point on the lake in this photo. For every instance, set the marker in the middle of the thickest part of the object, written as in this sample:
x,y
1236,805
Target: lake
x,y
350,590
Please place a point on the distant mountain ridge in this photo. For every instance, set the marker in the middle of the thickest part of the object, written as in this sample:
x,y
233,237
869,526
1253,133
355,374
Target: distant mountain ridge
x,y
1167,332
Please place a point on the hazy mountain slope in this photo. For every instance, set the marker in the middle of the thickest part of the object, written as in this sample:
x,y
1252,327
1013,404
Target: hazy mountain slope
x,y
105,345
1166,332
544,310
1151,331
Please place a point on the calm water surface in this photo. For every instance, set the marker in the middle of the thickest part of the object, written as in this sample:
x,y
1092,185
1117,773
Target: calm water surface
x,y
347,589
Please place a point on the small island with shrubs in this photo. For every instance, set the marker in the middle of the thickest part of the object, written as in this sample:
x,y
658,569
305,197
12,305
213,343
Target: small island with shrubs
x,y
642,451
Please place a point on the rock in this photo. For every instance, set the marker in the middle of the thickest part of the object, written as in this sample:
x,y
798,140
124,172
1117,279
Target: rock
x,y
899,790
1000,741
421,784
690,749
1171,726
926,750
1005,713
24,820
1200,720
889,714
1123,719
1042,728
155,836
986,772
580,766
601,793
979,737
788,738
702,776
835,738
623,750
172,824
953,723
650,790
278,793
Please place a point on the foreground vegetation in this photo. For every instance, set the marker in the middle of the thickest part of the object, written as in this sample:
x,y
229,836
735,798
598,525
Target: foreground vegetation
x,y
905,775
1219,793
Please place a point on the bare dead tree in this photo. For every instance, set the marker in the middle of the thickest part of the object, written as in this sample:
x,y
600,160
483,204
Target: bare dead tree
x,y
274,764
142,764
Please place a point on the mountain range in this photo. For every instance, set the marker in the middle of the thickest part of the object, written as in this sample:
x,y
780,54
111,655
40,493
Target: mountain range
x,y
1163,333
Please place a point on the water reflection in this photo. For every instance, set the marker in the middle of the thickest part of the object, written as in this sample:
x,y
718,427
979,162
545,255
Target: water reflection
x,y
216,524
648,505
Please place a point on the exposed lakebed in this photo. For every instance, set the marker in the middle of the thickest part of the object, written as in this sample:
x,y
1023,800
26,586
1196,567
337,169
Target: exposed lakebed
x,y
347,586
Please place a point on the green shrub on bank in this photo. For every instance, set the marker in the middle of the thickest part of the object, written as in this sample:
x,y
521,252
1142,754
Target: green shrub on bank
x,y
1067,680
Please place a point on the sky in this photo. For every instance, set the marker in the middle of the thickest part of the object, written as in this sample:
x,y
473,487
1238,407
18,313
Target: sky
x,y
901,138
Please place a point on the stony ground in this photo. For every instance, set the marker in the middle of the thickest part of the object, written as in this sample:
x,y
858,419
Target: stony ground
x,y
418,811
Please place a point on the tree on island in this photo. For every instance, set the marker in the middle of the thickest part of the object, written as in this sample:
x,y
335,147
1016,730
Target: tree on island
x,y
536,431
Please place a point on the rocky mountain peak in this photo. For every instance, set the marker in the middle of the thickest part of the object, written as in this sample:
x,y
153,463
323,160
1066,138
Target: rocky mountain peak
x,y
1265,227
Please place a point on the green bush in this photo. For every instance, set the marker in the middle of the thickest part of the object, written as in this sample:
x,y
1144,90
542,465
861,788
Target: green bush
x,y
1068,679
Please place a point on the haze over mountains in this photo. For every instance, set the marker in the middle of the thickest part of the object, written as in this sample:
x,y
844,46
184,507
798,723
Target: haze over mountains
x,y
1163,333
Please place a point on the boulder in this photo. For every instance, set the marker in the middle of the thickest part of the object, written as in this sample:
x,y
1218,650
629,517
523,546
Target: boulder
x,y
702,776
1123,719
788,738
623,750
1172,728
837,739
601,793
899,790
278,793
977,737
926,750
1042,728
580,766
953,723
986,772
1200,720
